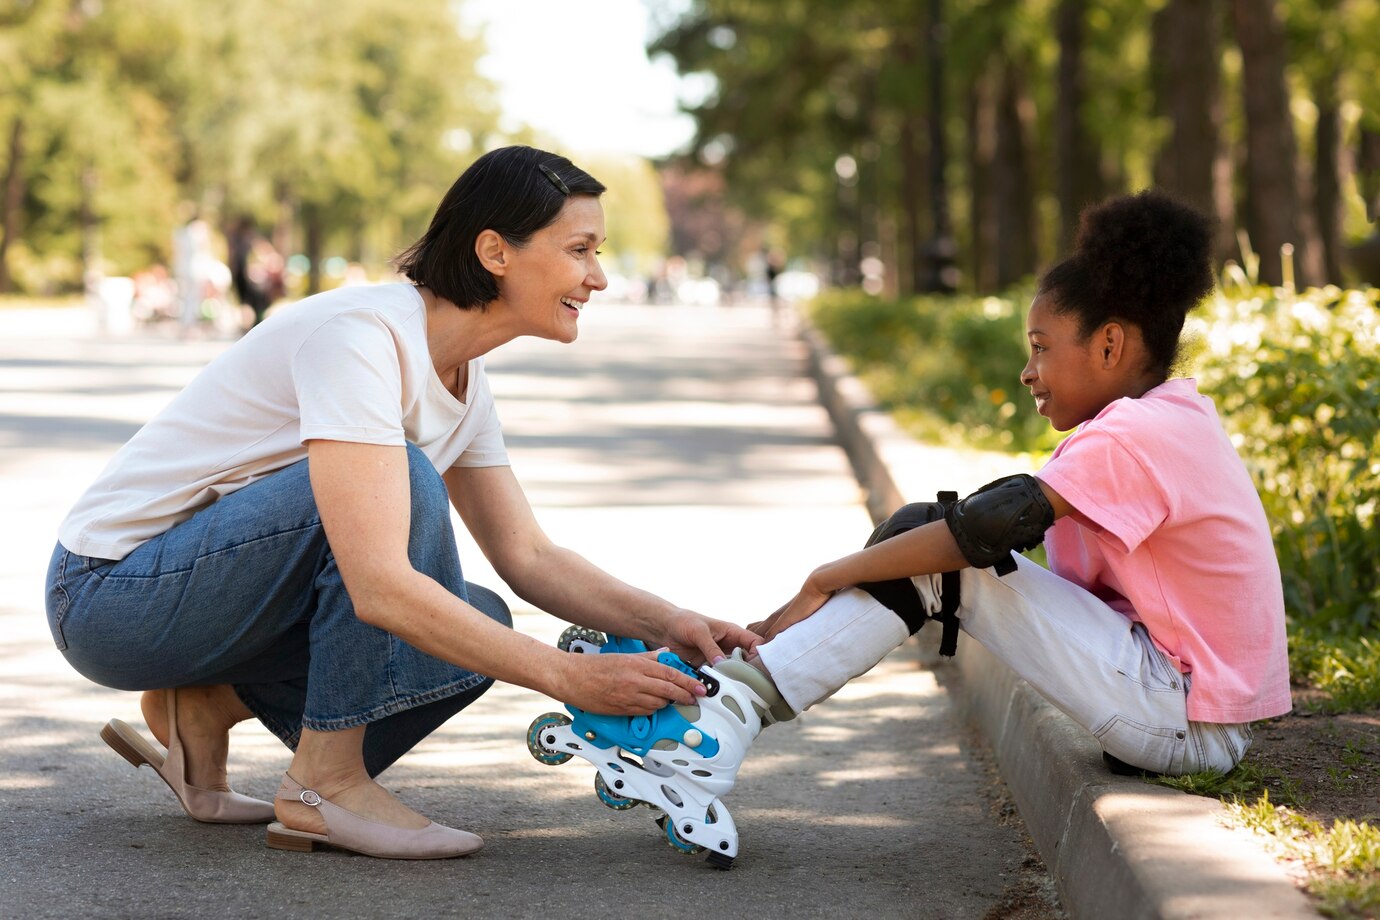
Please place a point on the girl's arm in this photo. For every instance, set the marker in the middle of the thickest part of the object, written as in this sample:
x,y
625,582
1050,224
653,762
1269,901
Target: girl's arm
x,y
926,550
552,578
363,495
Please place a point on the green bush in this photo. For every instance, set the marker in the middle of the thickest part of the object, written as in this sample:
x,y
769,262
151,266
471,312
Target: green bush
x,y
1297,380
948,367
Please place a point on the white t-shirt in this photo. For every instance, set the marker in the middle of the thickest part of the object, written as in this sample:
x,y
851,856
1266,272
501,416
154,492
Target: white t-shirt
x,y
347,365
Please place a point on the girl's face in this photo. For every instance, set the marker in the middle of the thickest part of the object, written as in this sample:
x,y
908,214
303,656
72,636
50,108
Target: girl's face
x,y
549,280
1067,375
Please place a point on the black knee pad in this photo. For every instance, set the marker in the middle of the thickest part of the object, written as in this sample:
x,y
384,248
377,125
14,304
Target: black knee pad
x,y
899,594
999,520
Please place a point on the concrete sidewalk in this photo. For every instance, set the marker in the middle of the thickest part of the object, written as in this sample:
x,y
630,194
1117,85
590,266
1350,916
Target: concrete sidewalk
x,y
684,450
1118,846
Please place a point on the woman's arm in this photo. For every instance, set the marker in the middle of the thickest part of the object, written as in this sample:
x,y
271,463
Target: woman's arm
x,y
552,578
363,495
926,550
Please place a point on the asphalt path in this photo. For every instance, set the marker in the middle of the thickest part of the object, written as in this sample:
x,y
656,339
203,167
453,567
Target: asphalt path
x,y
682,449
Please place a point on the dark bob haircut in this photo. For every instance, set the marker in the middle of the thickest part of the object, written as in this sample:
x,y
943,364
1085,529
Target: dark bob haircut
x,y
513,191
1144,259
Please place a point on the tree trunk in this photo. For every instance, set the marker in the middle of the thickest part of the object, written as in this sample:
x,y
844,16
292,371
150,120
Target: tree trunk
x,y
1368,171
942,272
314,232
92,269
982,147
1364,256
13,198
1327,193
1272,199
1077,180
283,221
1012,186
1187,91
912,271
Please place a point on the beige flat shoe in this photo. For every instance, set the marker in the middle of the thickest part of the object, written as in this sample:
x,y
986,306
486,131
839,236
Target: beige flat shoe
x,y
348,831
206,805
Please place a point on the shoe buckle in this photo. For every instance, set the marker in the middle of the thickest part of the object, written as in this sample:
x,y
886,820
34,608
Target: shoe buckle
x,y
310,797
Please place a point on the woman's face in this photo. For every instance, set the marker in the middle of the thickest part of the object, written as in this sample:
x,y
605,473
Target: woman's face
x,y
551,278
1064,371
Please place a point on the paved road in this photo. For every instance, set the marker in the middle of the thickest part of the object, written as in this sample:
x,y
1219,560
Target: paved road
x,y
683,450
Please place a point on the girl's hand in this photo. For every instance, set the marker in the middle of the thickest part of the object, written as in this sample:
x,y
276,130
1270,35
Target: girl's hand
x,y
625,685
698,639
806,601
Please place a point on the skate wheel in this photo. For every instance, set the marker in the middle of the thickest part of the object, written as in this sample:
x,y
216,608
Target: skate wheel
x,y
675,841
536,748
580,639
609,797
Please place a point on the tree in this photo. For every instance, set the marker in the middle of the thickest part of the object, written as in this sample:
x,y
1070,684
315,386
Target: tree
x,y
1272,199
1193,162
325,114
1077,156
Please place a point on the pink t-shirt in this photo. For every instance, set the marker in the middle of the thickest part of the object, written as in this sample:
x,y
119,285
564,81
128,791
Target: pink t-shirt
x,y
1168,530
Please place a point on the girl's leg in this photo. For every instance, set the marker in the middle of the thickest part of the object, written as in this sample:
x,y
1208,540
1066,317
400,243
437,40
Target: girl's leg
x,y
1077,652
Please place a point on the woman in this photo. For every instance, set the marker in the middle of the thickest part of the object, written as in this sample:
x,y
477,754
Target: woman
x,y
277,542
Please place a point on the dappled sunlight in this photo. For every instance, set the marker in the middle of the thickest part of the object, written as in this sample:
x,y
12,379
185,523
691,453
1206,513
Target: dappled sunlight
x,y
720,498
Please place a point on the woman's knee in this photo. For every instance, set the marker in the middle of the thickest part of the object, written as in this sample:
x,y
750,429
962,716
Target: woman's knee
x,y
489,603
430,500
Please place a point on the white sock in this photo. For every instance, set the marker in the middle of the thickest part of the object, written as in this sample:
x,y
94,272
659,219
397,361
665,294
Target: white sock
x,y
846,637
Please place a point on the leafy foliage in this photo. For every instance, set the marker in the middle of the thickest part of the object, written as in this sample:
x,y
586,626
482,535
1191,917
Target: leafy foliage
x,y
947,366
1295,378
329,109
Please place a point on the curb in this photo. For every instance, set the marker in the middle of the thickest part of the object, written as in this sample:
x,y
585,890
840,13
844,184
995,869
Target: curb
x,y
1116,846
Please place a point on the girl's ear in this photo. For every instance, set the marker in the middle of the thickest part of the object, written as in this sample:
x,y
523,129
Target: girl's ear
x,y
1112,338
492,250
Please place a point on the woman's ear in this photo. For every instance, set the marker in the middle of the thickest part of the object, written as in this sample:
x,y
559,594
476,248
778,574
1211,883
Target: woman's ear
x,y
492,250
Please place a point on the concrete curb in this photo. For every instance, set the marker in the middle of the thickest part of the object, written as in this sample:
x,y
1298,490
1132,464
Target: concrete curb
x,y
1117,846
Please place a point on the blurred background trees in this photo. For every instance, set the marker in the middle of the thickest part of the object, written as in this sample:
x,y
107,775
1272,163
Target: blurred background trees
x,y
899,145
312,118
334,126
857,129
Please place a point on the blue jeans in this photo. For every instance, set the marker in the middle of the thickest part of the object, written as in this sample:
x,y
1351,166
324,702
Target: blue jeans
x,y
247,593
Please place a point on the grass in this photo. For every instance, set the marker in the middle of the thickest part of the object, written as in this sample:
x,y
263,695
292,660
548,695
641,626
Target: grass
x,y
1345,670
1246,779
1343,860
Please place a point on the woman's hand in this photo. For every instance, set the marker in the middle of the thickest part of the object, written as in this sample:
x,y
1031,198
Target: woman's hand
x,y
625,685
699,640
806,601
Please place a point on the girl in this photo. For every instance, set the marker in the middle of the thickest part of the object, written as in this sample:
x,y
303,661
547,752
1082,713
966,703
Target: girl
x,y
1159,626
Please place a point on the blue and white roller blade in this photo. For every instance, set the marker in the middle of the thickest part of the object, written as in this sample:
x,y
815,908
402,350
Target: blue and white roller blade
x,y
681,759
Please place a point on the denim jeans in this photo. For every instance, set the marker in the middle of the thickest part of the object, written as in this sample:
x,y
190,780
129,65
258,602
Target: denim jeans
x,y
247,593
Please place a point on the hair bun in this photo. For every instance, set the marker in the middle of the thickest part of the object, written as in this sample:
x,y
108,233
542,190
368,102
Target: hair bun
x,y
1145,254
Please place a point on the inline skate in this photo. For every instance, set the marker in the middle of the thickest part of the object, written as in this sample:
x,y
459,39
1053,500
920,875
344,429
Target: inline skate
x,y
679,760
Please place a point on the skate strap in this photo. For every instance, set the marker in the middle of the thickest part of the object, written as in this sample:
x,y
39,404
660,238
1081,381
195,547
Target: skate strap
x,y
672,660
947,615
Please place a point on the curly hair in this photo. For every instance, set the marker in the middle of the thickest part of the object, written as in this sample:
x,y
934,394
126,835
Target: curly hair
x,y
1142,259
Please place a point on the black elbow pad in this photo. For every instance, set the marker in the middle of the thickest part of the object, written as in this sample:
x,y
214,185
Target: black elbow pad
x,y
1005,516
